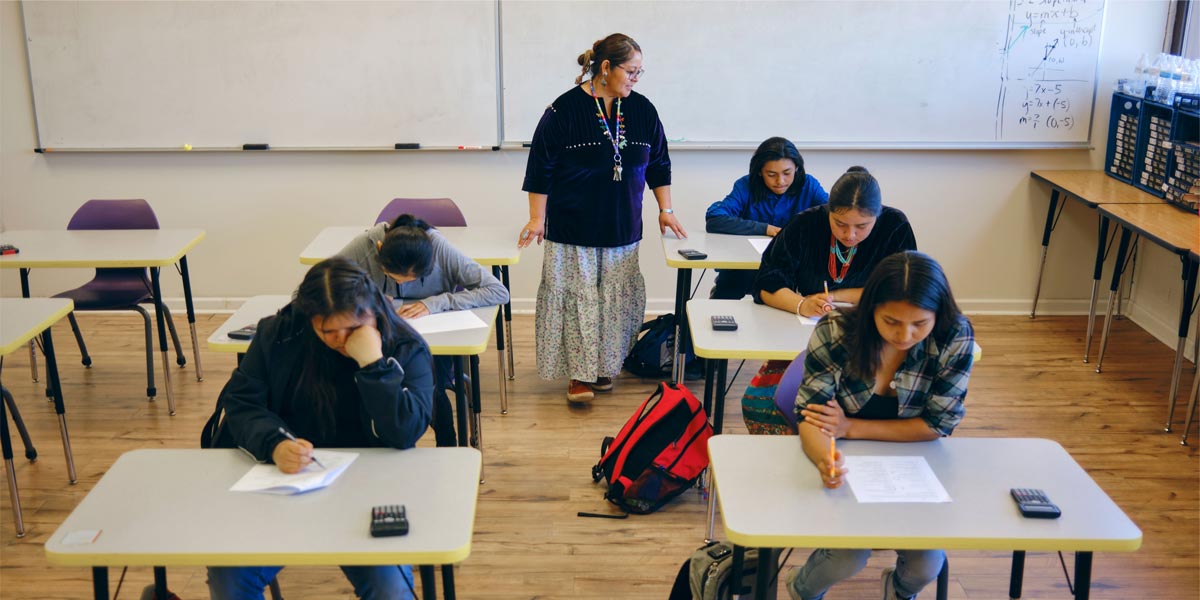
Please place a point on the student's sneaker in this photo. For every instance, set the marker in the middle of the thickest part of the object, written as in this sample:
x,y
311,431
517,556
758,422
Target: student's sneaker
x,y
579,392
602,384
790,583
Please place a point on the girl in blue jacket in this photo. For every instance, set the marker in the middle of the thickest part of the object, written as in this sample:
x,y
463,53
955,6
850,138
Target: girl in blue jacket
x,y
761,203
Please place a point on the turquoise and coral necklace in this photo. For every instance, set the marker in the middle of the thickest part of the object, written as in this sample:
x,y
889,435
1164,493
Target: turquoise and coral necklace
x,y
618,140
835,257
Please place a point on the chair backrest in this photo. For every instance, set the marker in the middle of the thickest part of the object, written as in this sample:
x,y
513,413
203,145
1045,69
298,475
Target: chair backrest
x,y
114,214
789,385
439,212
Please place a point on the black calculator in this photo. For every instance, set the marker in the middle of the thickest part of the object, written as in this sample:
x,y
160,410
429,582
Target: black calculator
x,y
1035,504
388,520
723,323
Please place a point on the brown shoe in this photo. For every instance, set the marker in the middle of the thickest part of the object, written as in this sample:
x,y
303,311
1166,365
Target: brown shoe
x,y
578,391
602,384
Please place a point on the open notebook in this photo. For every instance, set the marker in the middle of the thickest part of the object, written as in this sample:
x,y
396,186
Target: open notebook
x,y
269,479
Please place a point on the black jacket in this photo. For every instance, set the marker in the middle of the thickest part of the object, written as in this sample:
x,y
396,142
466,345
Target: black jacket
x,y
391,398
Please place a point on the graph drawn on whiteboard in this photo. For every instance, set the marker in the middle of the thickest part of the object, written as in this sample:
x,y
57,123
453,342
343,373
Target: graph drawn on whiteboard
x,y
1048,70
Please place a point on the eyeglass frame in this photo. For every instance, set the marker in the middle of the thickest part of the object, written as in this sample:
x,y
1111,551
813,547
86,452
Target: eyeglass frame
x,y
634,75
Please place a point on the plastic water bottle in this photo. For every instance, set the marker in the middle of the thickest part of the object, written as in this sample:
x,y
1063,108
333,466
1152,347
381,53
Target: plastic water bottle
x,y
1164,90
1137,85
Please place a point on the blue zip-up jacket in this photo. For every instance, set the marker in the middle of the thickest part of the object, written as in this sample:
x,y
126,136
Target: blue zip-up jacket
x,y
737,214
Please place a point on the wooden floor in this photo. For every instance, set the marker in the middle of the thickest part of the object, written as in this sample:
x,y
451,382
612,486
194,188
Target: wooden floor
x,y
529,543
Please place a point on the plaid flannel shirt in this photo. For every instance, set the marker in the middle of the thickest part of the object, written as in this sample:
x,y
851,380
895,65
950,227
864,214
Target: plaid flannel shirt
x,y
931,383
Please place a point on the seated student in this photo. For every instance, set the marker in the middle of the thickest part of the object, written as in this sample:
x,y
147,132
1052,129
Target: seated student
x,y
894,368
414,263
761,203
835,245
336,368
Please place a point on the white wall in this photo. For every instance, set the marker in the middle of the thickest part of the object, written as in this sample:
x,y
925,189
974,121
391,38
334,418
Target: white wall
x,y
976,211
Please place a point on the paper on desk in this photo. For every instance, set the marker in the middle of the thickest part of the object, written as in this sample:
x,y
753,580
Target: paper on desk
x,y
894,479
760,244
455,320
269,479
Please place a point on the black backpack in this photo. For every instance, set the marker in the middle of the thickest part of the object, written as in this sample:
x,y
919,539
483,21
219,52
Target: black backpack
x,y
652,354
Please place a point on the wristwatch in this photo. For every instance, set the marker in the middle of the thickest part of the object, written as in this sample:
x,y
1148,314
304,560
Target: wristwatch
x,y
669,211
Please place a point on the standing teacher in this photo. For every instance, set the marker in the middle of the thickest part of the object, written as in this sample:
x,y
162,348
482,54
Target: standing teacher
x,y
594,152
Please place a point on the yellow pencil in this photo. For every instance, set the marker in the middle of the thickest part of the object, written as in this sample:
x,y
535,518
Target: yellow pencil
x,y
832,459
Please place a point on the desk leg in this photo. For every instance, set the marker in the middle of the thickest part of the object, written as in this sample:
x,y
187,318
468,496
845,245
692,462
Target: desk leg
x,y
428,583
710,373
1113,290
160,584
735,571
159,312
1185,313
1017,575
1097,270
460,400
1046,230
501,333
762,576
1191,410
448,582
191,312
943,581
683,285
476,408
1083,575
100,583
14,497
719,399
720,366
56,386
32,347
512,374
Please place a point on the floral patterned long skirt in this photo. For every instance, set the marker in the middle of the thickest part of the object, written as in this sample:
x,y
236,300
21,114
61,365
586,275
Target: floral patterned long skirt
x,y
590,305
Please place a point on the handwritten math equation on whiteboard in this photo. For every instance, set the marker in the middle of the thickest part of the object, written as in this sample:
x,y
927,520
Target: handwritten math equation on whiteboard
x,y
1048,69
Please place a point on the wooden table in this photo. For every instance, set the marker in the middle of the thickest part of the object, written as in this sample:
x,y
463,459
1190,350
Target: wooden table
x,y
149,248
22,319
763,481
164,508
724,252
494,247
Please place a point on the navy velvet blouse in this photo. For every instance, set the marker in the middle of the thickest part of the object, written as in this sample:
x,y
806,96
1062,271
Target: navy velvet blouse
x,y
571,161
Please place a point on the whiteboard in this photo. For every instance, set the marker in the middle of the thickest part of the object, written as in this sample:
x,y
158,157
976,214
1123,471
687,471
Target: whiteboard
x,y
893,73
159,75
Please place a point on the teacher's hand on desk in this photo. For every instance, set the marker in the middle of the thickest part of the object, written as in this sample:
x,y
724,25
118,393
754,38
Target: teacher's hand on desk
x,y
667,221
292,457
535,229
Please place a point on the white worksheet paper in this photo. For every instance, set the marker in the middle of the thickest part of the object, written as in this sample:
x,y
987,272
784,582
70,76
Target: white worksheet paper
x,y
760,244
455,320
267,478
894,479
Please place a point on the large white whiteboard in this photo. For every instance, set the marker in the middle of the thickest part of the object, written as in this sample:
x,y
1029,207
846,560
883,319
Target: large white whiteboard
x,y
856,73
291,74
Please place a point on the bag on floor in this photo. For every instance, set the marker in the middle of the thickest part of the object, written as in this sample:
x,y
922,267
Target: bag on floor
x,y
658,454
705,575
654,351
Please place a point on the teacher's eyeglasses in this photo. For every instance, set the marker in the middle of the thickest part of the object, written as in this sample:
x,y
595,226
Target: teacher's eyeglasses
x,y
634,75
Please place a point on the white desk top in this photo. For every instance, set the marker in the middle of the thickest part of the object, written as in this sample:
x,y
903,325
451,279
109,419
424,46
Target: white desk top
x,y
59,248
159,507
763,332
724,251
21,319
484,245
447,343
771,496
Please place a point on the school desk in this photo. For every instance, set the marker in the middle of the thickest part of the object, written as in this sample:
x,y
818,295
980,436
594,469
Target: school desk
x,y
724,252
21,320
489,246
1091,188
150,248
166,508
465,345
1194,256
1175,230
770,493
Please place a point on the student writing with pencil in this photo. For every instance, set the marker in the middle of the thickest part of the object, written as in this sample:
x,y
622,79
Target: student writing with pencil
x,y
335,368
893,368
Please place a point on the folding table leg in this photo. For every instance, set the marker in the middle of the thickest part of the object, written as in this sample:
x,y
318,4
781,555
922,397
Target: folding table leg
x,y
1118,271
1185,313
1046,230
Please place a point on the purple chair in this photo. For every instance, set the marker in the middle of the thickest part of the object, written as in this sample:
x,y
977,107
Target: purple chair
x,y
439,212
118,288
789,384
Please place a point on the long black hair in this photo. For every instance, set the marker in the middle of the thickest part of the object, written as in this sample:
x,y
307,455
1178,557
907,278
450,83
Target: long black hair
x,y
856,189
909,276
337,286
406,248
775,148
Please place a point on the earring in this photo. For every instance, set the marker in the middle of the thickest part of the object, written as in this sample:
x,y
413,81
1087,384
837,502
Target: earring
x,y
604,82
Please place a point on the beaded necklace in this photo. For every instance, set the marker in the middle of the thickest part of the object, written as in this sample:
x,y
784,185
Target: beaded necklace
x,y
835,257
618,140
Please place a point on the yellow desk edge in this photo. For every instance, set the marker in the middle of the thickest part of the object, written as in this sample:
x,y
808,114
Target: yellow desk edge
x,y
37,330
15,261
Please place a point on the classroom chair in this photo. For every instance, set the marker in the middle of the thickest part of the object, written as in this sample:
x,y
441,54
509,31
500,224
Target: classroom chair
x,y
118,288
789,385
439,212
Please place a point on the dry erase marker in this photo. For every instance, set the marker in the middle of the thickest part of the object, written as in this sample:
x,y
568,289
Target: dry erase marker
x,y
293,438
470,147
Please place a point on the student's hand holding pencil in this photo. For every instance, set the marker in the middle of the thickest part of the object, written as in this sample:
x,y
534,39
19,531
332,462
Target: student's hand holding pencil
x,y
833,472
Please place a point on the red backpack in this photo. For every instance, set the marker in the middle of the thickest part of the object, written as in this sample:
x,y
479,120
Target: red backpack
x,y
658,454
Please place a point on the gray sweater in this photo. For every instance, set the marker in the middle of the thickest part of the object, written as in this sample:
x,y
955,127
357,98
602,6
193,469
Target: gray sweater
x,y
452,270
